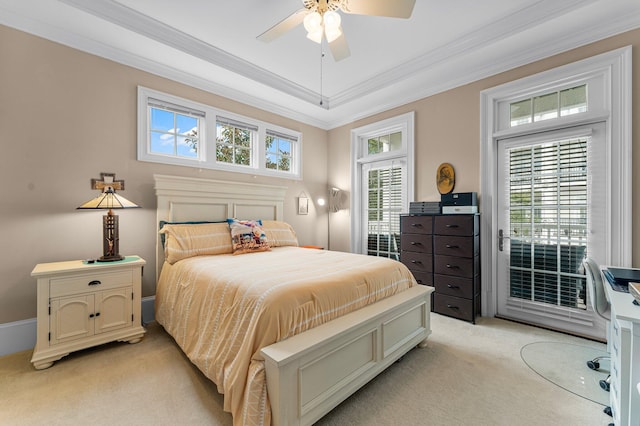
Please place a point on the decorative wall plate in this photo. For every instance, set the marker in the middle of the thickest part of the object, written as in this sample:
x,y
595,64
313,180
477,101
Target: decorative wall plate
x,y
445,178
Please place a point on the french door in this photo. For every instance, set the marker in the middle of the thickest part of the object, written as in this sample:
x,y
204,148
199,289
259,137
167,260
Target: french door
x,y
551,214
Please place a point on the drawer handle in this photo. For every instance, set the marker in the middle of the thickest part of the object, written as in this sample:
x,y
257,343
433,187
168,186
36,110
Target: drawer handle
x,y
451,226
416,225
452,247
94,282
452,286
419,281
452,266
97,314
416,261
452,307
415,243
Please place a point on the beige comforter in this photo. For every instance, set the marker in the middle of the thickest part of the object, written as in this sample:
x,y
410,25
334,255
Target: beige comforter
x,y
223,309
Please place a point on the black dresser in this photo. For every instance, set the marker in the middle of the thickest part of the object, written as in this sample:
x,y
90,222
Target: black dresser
x,y
444,251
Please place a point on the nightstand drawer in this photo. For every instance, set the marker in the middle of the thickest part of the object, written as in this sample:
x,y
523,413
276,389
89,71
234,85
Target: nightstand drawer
x,y
416,242
93,282
416,224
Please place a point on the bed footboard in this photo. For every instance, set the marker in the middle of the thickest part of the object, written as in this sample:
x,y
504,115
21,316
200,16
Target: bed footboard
x,y
311,373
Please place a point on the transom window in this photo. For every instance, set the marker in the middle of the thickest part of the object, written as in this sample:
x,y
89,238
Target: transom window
x,y
549,106
234,142
173,130
279,151
385,143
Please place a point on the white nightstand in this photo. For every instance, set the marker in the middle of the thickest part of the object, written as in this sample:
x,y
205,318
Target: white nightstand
x,y
86,304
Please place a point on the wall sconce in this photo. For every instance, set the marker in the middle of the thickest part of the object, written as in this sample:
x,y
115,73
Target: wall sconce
x,y
335,199
108,199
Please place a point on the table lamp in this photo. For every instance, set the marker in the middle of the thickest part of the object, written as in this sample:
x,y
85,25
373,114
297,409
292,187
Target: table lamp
x,y
108,199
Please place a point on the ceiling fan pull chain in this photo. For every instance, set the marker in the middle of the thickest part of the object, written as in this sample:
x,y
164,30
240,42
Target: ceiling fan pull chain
x,y
321,65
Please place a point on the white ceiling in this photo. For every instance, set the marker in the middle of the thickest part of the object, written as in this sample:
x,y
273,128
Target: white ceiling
x,y
211,44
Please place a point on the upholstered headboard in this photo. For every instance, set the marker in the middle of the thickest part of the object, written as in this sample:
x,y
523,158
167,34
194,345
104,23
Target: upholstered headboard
x,y
182,199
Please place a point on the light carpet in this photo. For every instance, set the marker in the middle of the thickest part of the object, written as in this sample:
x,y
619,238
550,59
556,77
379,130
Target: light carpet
x,y
467,375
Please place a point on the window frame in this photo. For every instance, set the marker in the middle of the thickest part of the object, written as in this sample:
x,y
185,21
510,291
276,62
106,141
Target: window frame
x,y
360,156
207,141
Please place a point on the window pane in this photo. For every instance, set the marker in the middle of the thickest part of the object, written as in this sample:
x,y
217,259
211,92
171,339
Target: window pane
x,y
545,107
187,147
521,112
161,119
162,143
396,141
574,100
233,144
373,145
186,125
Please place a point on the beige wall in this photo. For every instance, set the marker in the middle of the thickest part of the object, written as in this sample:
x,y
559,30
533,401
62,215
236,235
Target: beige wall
x,y
447,129
66,116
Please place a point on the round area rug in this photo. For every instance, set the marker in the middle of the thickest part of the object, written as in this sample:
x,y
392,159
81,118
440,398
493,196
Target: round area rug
x,y
565,365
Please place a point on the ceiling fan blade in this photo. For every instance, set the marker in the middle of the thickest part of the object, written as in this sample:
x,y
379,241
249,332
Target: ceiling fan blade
x,y
283,26
393,9
339,48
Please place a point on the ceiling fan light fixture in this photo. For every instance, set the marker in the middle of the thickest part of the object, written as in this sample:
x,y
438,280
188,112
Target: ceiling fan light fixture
x,y
315,36
332,20
332,33
313,22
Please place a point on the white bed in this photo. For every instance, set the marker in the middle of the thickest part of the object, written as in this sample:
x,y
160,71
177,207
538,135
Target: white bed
x,y
303,383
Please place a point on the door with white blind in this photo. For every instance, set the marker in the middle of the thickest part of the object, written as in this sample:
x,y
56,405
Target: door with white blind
x,y
552,205
383,201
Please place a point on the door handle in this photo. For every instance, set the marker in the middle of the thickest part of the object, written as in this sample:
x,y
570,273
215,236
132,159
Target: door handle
x,y
501,238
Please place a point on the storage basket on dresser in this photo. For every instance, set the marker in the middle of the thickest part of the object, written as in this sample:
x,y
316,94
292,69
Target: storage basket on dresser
x,y
444,251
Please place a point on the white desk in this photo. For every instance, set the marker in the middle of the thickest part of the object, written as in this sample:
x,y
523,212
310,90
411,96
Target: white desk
x,y
625,357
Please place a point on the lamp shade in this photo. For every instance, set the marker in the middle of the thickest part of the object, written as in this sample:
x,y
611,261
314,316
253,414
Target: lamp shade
x,y
108,200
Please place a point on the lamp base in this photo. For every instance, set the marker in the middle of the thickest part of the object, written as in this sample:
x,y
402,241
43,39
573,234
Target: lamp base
x,y
112,258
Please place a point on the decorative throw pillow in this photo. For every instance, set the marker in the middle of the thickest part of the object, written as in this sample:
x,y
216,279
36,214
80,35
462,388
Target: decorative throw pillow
x,y
190,240
247,236
279,233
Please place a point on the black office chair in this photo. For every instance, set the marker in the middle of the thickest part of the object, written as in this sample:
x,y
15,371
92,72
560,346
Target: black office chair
x,y
600,305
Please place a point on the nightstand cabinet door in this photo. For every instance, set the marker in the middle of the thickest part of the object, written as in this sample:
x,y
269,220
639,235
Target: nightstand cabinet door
x,y
70,318
82,305
113,310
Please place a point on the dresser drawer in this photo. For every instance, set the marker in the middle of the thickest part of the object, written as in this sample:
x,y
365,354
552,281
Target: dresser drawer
x,y
456,246
453,286
421,243
455,225
424,278
453,306
91,282
416,262
456,266
416,224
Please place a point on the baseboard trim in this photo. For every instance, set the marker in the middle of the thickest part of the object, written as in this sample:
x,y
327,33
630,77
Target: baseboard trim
x,y
17,336
20,336
148,309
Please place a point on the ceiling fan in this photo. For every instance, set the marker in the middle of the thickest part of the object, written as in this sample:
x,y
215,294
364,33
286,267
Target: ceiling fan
x,y
321,19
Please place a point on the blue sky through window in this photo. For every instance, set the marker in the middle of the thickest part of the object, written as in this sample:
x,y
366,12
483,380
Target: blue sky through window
x,y
173,133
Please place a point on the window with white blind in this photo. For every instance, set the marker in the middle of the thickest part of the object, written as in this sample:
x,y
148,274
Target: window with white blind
x,y
173,130
382,183
384,204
